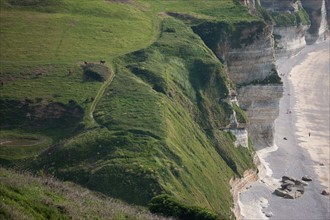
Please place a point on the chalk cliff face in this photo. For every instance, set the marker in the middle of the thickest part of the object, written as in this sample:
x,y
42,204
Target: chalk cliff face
x,y
316,10
250,62
261,103
289,38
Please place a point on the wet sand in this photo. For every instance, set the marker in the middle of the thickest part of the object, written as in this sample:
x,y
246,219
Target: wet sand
x,y
306,96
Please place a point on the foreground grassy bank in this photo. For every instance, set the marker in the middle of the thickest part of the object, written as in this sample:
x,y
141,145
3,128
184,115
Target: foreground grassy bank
x,y
24,196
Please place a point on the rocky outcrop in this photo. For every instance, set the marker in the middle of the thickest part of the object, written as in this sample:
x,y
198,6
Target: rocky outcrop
x,y
290,188
316,10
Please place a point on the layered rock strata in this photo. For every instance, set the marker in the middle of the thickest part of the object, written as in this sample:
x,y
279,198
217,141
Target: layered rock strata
x,y
247,50
261,104
247,66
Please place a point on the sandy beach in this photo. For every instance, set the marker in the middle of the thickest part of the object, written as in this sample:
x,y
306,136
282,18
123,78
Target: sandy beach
x,y
301,142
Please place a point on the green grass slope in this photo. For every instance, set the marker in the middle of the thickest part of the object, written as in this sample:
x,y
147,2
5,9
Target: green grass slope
x,y
148,123
161,129
23,196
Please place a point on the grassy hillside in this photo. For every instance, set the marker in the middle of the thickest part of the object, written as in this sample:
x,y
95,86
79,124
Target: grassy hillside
x,y
147,122
24,196
160,130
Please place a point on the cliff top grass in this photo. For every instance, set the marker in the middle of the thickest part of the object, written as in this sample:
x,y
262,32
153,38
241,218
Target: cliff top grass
x,y
70,31
44,42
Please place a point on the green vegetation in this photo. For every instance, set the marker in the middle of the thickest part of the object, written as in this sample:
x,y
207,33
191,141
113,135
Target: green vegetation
x,y
24,196
273,78
240,115
262,12
146,123
96,72
237,35
160,130
70,31
16,145
170,207
287,19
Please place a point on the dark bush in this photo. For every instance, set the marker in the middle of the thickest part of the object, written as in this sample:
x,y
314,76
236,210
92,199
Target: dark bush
x,y
158,83
170,207
96,72
34,2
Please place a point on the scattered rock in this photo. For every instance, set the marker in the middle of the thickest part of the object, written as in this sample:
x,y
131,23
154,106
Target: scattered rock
x,y
298,182
293,194
284,178
298,188
280,192
291,188
269,214
287,183
306,178
325,193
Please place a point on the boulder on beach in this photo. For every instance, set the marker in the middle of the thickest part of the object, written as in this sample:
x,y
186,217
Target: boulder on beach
x,y
296,181
325,193
269,214
306,178
287,183
291,188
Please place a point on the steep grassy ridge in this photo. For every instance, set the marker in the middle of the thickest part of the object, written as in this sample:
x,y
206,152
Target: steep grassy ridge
x,y
161,128
24,196
158,115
